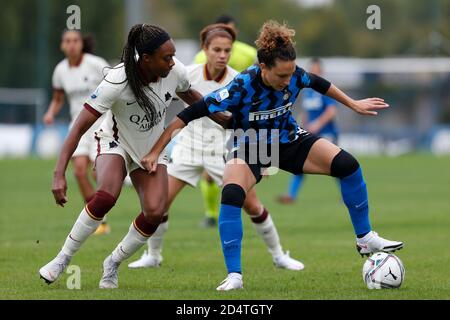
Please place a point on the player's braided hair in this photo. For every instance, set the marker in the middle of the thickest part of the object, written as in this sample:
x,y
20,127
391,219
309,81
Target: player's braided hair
x,y
142,38
275,41
216,30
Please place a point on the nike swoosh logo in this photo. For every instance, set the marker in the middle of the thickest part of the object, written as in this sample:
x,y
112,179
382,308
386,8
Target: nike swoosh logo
x,y
70,236
227,242
130,103
256,102
357,206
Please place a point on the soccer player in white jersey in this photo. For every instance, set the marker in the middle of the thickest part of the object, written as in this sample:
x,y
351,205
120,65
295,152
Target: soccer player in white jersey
x,y
134,95
76,77
202,146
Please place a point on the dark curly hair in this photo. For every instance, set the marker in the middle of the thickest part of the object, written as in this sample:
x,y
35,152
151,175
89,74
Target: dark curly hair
x,y
275,41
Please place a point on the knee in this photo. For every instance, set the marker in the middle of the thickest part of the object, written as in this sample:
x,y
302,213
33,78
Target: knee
x,y
252,208
233,195
101,204
343,165
154,211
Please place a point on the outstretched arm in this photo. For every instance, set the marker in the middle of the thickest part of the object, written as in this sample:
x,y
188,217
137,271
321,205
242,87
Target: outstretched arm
x,y
365,106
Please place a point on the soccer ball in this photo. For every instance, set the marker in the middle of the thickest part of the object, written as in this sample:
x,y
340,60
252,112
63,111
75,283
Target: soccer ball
x,y
383,271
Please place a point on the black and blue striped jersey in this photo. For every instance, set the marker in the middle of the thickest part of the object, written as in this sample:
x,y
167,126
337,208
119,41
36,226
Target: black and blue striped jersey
x,y
257,106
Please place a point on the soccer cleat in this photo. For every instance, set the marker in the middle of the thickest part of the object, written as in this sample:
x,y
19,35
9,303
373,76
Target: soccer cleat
x,y
372,243
286,262
52,270
147,260
232,282
103,228
110,278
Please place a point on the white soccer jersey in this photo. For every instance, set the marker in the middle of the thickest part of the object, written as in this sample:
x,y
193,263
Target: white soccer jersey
x,y
126,123
204,133
78,82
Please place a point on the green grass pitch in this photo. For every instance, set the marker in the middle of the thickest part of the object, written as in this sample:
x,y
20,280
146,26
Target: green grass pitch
x,y
409,201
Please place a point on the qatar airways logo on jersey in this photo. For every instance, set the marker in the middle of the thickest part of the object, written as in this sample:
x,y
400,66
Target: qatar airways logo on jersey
x,y
269,114
143,123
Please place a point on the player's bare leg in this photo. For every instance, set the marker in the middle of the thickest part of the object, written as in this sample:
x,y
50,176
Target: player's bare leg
x,y
110,173
152,192
153,258
104,227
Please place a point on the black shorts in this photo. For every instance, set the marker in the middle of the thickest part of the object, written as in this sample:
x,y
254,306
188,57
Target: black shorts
x,y
289,157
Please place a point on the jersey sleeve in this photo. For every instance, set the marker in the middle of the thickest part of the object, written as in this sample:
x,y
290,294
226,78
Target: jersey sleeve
x,y
101,64
183,80
227,98
310,80
103,98
100,67
56,79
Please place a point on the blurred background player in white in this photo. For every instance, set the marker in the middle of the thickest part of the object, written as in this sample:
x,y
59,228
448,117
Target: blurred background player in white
x,y
201,146
76,77
242,56
134,95
318,116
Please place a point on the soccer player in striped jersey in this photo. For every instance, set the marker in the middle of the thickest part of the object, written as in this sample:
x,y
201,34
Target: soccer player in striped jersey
x,y
202,146
76,77
134,95
260,100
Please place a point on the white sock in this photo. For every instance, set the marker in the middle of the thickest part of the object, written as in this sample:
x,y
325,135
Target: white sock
x,y
129,245
155,242
81,230
268,232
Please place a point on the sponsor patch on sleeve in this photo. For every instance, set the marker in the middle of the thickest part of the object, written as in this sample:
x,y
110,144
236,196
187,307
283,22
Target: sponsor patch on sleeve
x,y
222,95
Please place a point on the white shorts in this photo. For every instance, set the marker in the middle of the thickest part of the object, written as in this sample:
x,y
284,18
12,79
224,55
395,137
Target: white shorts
x,y
188,165
109,146
87,145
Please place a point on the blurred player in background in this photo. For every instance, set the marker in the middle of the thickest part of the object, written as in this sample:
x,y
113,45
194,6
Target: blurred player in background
x,y
201,146
260,99
318,117
242,56
134,95
76,77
